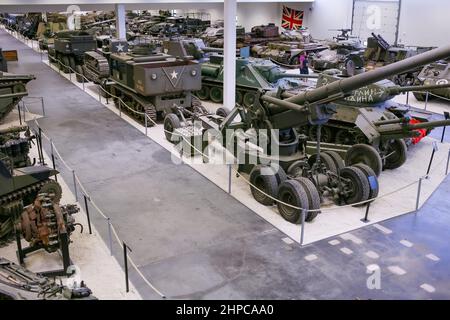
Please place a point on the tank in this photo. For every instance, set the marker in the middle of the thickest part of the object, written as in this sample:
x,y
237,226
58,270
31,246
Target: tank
x,y
12,89
69,48
251,75
434,73
282,169
3,62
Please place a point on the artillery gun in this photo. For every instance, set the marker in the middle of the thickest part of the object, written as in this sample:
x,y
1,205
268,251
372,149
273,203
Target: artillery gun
x,y
434,73
283,170
251,75
12,89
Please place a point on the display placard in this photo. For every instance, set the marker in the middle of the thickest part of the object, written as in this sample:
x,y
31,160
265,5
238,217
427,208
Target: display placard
x,y
10,55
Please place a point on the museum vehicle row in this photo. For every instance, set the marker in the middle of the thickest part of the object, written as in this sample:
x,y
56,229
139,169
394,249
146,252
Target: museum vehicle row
x,y
335,130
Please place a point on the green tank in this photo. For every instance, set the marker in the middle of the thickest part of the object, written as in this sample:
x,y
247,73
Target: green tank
x,y
369,117
251,75
12,89
435,73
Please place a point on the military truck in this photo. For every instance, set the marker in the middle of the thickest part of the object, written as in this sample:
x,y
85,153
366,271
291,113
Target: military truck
x,y
434,73
12,89
251,75
69,49
281,169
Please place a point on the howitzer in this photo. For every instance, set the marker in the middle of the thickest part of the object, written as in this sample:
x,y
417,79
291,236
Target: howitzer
x,y
281,169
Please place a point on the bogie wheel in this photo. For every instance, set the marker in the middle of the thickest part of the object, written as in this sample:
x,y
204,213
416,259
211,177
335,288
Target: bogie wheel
x,y
356,187
344,137
216,94
249,99
203,93
171,122
313,197
222,112
326,135
325,159
395,154
53,189
366,154
372,178
264,182
338,161
293,193
79,74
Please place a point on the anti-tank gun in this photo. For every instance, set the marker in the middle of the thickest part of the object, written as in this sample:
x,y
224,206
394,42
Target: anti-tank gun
x,y
281,169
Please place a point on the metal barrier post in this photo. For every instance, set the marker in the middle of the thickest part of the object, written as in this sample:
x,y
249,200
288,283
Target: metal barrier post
x,y
366,216
302,234
110,236
24,111
120,107
87,213
59,67
41,153
229,179
43,108
75,185
99,96
70,73
426,100
20,113
448,161
83,82
53,159
446,116
145,119
418,193
125,261
432,157
407,97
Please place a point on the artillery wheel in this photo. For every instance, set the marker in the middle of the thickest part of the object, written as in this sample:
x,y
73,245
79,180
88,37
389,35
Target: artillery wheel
x,y
371,177
326,134
239,97
296,168
249,99
216,94
420,96
222,112
171,122
363,153
53,189
398,157
79,74
293,193
343,136
338,161
357,187
263,178
325,159
203,93
313,197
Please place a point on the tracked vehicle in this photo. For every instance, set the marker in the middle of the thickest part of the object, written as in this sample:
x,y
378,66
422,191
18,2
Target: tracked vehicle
x,y
12,89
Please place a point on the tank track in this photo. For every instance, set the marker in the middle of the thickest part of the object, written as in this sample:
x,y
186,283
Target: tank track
x,y
6,84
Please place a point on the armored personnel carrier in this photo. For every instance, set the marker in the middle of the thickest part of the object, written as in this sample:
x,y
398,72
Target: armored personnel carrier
x,y
69,48
434,73
281,169
154,84
251,76
12,89
369,117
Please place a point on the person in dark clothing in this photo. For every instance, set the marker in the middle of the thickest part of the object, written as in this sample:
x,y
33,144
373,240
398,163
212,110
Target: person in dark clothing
x,y
303,62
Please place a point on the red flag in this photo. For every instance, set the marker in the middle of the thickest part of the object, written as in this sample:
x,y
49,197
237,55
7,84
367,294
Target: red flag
x,y
292,19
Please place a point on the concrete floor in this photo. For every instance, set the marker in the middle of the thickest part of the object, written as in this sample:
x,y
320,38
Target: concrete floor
x,y
192,240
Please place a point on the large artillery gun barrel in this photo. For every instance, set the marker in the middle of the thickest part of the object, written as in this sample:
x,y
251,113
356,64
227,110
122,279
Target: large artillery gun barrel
x,y
15,129
13,95
399,89
342,87
402,129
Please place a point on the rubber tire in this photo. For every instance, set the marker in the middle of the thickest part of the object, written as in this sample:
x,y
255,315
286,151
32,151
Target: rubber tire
x,y
398,161
292,170
79,69
359,179
295,190
203,93
338,161
222,112
340,134
368,171
325,159
249,99
313,197
364,153
171,122
216,94
65,61
267,183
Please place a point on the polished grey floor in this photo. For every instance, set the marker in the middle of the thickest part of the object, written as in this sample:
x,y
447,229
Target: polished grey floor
x,y
192,240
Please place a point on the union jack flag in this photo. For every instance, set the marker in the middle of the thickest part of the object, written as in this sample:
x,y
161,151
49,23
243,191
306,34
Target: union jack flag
x,y
292,19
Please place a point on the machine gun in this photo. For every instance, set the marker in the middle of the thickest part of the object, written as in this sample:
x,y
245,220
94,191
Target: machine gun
x,y
345,34
381,42
283,170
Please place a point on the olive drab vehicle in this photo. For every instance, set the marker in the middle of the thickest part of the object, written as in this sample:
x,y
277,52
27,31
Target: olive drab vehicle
x,y
369,117
289,175
3,62
69,48
12,89
434,73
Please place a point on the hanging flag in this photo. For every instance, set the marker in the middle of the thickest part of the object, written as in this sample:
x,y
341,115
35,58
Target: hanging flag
x,y
292,19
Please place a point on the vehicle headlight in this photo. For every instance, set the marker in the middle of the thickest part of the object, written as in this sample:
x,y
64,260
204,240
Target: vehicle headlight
x,y
194,73
153,76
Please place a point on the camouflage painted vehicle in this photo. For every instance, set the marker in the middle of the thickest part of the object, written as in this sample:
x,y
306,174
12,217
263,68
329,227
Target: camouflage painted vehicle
x,y
434,73
251,75
12,89
369,117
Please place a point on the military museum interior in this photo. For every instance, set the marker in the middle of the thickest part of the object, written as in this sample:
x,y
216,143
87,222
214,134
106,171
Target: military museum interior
x,y
224,150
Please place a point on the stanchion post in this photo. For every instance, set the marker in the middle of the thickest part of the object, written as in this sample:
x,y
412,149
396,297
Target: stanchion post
x,y
24,111
407,97
87,213
432,157
125,261
145,120
53,159
40,151
43,107
75,185
448,161
110,237
70,73
82,82
20,113
426,99
446,116
419,187
120,107
229,179
302,233
366,216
